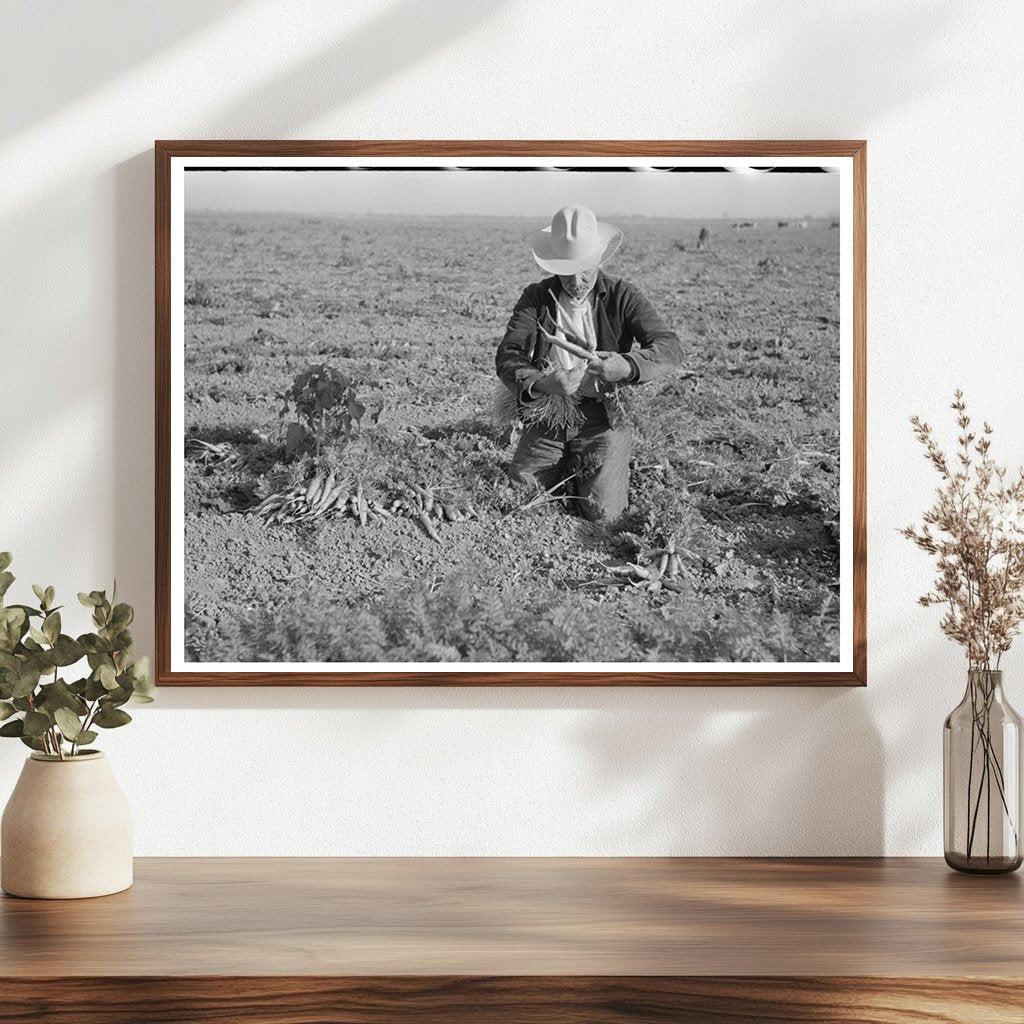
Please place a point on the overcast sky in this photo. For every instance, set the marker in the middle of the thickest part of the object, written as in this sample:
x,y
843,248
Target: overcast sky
x,y
531,193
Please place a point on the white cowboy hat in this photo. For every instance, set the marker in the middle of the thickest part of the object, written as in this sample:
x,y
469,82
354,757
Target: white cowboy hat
x,y
575,241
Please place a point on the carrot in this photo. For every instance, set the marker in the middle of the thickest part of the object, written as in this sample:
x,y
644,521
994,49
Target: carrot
x,y
361,505
580,353
314,487
424,518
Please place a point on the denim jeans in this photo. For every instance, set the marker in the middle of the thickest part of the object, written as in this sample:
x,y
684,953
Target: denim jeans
x,y
596,452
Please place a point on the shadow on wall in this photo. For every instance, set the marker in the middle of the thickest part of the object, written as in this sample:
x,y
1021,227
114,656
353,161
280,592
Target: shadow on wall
x,y
743,771
692,771
806,53
52,38
409,32
396,38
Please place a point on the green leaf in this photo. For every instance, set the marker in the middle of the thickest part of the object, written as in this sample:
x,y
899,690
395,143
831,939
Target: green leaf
x,y
6,710
30,612
38,635
67,651
31,741
40,592
94,689
36,723
27,681
107,676
94,644
142,681
5,560
59,695
107,718
122,616
50,595
10,662
86,736
115,698
13,624
6,579
69,724
51,626
14,728
89,600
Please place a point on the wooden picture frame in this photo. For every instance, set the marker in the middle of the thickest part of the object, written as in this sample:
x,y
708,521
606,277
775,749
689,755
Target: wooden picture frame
x,y
844,160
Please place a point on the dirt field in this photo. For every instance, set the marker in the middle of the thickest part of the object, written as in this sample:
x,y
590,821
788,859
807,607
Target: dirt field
x,y
737,463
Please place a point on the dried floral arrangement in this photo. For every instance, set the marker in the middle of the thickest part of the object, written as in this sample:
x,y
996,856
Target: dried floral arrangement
x,y
975,529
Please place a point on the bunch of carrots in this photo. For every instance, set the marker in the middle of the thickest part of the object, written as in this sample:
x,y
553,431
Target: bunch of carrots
x,y
326,496
665,575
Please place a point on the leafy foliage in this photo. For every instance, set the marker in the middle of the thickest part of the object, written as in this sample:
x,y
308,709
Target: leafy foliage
x,y
459,619
57,717
326,408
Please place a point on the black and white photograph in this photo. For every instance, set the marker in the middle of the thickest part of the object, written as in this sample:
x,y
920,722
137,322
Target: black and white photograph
x,y
511,415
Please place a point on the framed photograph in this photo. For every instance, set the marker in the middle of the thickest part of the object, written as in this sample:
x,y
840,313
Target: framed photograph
x,y
510,413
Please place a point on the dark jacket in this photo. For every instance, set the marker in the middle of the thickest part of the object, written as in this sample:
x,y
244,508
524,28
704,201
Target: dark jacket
x,y
623,316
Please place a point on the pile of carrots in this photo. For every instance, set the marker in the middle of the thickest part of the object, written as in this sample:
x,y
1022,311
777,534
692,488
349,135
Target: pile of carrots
x,y
665,575
326,496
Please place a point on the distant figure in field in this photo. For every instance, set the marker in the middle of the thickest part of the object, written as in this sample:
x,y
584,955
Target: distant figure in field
x,y
703,239
567,396
783,223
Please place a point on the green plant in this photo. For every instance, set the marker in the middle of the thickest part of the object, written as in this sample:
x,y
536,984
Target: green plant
x,y
57,717
326,408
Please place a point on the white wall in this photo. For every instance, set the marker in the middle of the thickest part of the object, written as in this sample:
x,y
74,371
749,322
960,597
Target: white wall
x,y
936,88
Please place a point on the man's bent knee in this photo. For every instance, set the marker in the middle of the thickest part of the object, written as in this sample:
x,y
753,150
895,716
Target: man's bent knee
x,y
599,512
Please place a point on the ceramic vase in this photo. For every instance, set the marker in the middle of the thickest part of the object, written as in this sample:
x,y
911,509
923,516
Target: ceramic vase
x,y
66,831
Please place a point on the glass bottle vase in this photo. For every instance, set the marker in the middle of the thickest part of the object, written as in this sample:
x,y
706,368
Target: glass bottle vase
x,y
981,772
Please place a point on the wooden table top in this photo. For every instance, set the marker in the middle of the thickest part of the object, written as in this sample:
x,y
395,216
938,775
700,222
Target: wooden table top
x,y
527,916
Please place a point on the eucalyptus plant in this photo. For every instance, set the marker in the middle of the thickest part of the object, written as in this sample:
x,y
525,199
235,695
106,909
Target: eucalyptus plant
x,y
46,712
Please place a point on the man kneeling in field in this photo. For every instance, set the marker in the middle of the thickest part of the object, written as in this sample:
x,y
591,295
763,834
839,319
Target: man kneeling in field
x,y
573,340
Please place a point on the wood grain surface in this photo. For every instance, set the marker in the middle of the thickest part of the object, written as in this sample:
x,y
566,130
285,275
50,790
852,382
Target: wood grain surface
x,y
647,675
521,939
519,1000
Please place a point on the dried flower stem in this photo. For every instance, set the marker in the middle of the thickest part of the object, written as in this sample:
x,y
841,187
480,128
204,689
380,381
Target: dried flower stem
x,y
975,530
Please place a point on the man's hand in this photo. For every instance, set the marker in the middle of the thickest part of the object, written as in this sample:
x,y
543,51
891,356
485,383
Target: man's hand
x,y
558,382
611,368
